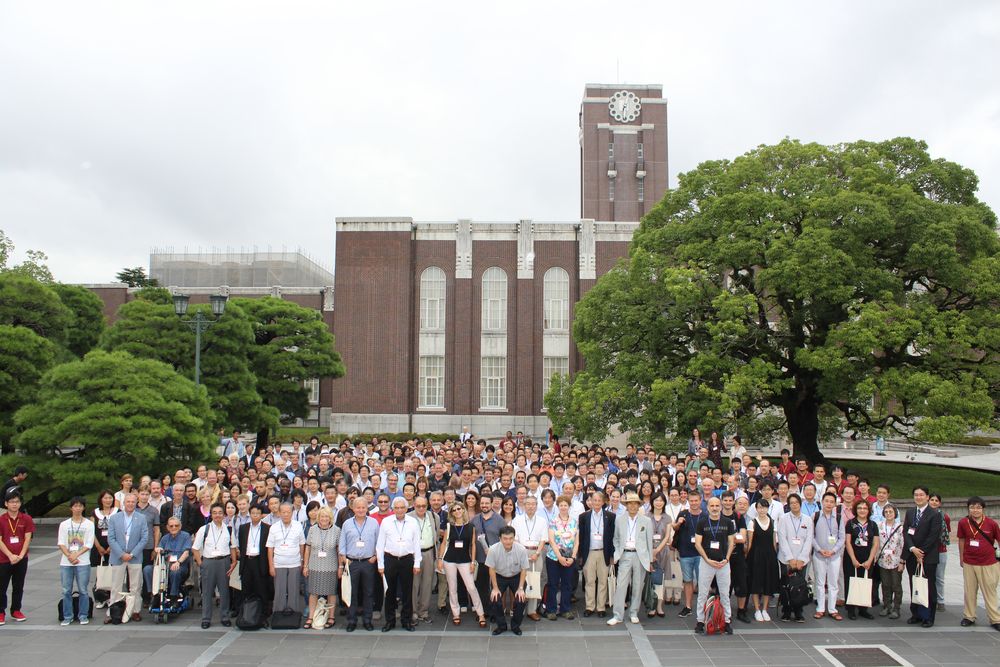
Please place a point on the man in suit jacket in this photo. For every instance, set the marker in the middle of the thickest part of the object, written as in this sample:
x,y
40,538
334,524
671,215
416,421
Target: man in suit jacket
x,y
429,524
921,540
127,535
255,578
633,544
597,549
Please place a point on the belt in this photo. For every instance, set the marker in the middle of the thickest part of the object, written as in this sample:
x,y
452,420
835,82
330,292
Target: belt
x,y
214,557
388,553
427,549
359,560
630,551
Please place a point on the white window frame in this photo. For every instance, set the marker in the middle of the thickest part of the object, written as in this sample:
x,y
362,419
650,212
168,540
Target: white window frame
x,y
494,300
493,383
555,294
551,366
312,389
433,299
431,378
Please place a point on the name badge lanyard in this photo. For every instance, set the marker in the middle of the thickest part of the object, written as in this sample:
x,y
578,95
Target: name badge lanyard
x,y
128,528
863,531
714,529
216,536
597,528
632,525
75,532
360,530
250,537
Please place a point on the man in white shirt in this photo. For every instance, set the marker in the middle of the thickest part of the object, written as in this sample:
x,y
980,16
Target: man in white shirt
x,y
398,552
156,497
531,530
285,544
76,539
214,551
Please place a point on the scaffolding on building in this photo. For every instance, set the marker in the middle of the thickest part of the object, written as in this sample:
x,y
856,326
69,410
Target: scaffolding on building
x,y
245,267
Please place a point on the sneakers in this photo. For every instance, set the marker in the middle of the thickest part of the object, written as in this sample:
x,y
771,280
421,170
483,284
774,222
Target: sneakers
x,y
685,612
699,628
884,611
634,620
758,616
65,622
84,621
894,614
18,616
729,628
765,615
3,618
611,621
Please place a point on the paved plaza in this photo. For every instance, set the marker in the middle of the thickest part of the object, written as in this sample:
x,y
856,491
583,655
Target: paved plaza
x,y
586,642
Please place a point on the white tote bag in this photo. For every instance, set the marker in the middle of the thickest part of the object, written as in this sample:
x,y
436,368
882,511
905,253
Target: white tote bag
x,y
234,579
612,582
345,585
158,575
532,585
918,588
860,589
103,581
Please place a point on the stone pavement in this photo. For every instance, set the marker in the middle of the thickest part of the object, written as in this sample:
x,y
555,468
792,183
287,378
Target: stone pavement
x,y
586,642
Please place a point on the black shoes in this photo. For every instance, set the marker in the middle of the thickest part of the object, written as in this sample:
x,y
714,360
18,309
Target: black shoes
x,y
685,612
499,631
388,626
995,626
517,631
851,614
351,627
226,623
966,623
205,625
369,627
729,628
410,627
864,613
587,613
602,614
699,628
913,620
927,624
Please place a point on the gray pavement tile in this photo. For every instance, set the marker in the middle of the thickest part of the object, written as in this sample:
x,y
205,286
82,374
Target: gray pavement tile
x,y
390,662
237,660
122,659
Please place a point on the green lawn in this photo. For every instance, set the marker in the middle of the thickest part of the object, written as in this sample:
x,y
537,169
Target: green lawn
x,y
949,482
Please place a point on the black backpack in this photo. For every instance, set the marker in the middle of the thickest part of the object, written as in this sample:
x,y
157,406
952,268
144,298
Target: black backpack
x,y
76,607
251,616
116,612
795,590
286,619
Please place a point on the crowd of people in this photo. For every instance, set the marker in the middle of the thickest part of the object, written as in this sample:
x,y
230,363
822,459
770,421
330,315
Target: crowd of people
x,y
518,529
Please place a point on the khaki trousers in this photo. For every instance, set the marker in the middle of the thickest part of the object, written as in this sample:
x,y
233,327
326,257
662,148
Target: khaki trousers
x,y
422,585
595,581
982,578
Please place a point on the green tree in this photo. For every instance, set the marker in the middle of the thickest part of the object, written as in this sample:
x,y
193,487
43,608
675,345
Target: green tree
x,y
292,344
86,317
24,357
136,277
25,302
150,330
33,267
105,415
801,287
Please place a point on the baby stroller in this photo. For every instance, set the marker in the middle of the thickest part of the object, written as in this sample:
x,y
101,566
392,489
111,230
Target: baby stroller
x,y
162,605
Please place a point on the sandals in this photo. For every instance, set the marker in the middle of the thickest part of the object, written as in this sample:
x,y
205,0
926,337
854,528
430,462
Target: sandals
x,y
457,620
307,625
330,623
482,621
819,614
836,616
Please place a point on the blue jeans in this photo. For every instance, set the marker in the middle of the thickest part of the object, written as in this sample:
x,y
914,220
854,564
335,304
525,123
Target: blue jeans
x,y
70,574
561,581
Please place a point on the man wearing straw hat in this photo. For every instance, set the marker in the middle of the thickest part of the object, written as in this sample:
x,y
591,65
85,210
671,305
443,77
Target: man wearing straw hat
x,y
633,555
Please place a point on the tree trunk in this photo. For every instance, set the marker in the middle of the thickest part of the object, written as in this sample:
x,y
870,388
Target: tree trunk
x,y
263,437
803,426
40,505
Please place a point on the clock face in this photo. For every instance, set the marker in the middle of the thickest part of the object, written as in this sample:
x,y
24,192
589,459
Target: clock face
x,y
624,106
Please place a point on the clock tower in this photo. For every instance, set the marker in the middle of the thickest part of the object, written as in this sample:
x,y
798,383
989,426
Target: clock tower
x,y
623,151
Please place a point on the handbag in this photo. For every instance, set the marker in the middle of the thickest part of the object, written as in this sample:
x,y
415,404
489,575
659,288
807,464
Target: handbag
x,y
612,582
794,589
919,594
158,576
320,615
103,580
532,585
859,591
345,585
234,579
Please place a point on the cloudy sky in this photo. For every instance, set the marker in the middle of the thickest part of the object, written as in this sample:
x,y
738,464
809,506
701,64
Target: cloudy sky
x,y
128,125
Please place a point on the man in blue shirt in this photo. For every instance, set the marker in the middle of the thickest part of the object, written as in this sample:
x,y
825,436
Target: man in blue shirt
x,y
175,549
358,539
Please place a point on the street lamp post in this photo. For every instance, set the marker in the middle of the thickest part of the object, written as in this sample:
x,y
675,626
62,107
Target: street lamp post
x,y
199,323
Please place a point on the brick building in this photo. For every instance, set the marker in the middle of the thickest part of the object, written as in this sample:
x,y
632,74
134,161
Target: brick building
x,y
445,325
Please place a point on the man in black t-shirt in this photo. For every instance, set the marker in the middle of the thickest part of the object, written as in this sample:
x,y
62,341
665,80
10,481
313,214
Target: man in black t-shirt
x,y
714,540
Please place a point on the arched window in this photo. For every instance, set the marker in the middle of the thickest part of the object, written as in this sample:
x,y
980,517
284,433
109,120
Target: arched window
x,y
556,296
494,299
432,299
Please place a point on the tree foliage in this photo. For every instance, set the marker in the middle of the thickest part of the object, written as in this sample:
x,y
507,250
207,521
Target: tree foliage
x,y
24,357
291,344
25,302
105,415
34,266
136,277
86,321
799,287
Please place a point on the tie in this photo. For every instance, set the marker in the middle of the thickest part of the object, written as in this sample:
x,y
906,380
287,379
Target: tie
x,y
916,519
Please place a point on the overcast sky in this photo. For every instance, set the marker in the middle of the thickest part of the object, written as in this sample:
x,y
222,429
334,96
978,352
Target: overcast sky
x,y
128,125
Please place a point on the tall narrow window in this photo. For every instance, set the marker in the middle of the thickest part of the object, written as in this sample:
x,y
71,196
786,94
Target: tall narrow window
x,y
494,299
556,294
493,383
432,299
611,150
642,190
611,189
550,367
312,390
639,150
431,382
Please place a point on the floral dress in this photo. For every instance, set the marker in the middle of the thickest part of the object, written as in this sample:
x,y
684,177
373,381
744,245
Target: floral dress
x,y
891,538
